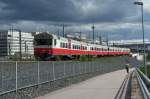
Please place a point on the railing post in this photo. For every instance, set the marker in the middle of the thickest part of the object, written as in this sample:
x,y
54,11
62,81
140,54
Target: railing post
x,y
54,71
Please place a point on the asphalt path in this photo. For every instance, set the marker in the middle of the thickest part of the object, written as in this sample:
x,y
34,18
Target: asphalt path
x,y
101,87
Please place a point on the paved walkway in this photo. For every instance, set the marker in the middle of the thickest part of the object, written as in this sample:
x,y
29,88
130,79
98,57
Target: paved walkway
x,y
101,87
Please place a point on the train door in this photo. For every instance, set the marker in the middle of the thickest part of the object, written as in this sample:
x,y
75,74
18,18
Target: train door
x,y
69,43
69,46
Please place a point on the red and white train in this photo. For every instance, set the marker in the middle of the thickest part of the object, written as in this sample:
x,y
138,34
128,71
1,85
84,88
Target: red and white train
x,y
48,45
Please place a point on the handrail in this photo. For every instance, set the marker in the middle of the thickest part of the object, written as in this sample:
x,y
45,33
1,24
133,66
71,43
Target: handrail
x,y
143,87
144,76
121,94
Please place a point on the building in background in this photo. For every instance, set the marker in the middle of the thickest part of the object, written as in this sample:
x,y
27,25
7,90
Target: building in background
x,y
136,46
10,45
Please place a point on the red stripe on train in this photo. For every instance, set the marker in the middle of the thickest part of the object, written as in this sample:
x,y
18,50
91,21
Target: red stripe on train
x,y
59,51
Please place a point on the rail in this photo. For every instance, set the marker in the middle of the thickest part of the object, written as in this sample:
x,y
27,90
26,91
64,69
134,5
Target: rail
x,y
122,92
142,80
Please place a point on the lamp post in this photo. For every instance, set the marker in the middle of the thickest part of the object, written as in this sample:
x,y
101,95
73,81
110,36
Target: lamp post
x,y
141,4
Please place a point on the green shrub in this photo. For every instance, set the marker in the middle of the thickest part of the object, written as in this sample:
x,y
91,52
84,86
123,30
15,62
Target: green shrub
x,y
85,58
148,56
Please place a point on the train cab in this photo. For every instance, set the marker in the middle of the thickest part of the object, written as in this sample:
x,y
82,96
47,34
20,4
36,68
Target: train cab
x,y
43,44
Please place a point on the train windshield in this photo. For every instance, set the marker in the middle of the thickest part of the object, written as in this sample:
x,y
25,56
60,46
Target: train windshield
x,y
43,39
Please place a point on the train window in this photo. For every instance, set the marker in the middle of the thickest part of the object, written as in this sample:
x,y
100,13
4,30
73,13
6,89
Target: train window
x,y
60,44
66,45
85,48
43,39
63,45
43,42
55,42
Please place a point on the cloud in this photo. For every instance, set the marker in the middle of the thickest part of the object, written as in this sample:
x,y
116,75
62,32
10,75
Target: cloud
x,y
119,17
66,10
146,5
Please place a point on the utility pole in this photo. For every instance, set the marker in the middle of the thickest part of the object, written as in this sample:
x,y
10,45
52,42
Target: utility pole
x,y
93,28
25,42
27,51
107,40
63,30
20,44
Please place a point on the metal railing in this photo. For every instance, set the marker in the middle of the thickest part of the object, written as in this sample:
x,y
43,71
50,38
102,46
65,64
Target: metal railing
x,y
143,80
123,90
19,75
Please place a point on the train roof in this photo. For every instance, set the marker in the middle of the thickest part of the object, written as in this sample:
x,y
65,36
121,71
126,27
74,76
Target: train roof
x,y
46,35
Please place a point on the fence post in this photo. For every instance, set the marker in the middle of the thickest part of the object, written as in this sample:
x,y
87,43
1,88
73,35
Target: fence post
x,y
38,72
16,76
92,67
85,67
74,69
79,68
64,69
54,72
1,67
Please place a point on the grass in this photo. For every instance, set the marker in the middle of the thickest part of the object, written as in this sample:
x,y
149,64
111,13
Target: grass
x,y
85,58
148,57
105,59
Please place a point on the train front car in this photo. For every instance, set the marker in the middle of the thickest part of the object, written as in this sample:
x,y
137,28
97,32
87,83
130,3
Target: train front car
x,y
43,46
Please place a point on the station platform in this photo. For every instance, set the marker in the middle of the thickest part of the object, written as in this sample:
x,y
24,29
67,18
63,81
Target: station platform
x,y
104,86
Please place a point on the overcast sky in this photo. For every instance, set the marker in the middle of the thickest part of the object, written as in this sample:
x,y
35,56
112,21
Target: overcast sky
x,y
119,19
